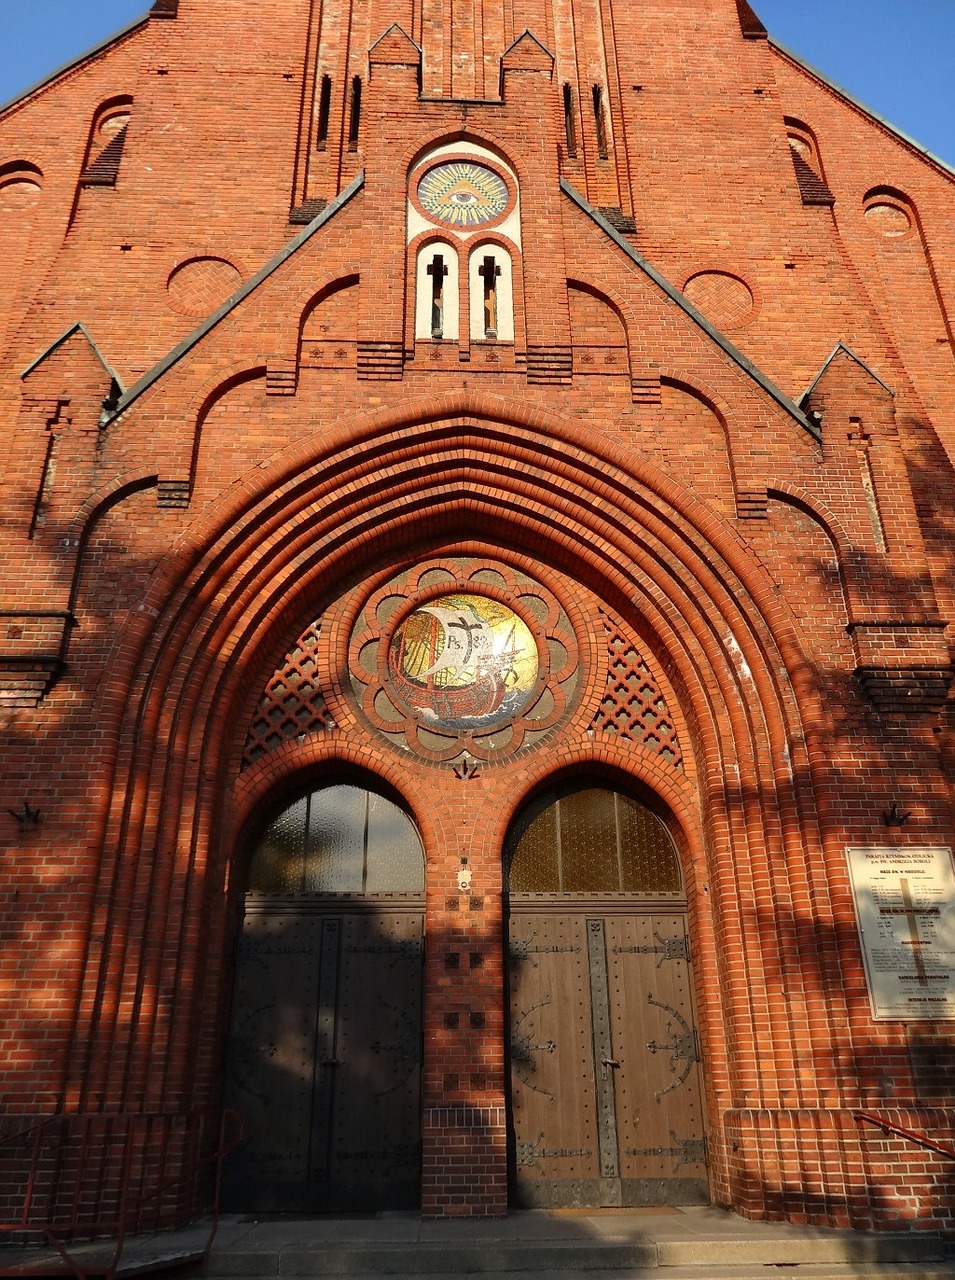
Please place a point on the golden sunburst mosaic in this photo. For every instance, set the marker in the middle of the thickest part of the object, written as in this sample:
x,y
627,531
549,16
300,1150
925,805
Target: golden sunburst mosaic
x,y
462,194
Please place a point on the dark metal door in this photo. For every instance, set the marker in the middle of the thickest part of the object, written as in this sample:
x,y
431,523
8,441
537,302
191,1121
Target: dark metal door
x,y
324,1057
605,1087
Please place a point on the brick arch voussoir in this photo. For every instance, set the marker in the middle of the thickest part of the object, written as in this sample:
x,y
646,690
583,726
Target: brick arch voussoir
x,y
442,136
590,551
183,689
81,528
481,412
345,276
227,376
111,491
601,288
180,717
197,729
560,504
842,545
706,531
704,391
796,496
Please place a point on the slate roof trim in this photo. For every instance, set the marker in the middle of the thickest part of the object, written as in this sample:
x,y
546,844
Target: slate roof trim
x,y
78,326
860,106
176,354
841,346
115,38
684,303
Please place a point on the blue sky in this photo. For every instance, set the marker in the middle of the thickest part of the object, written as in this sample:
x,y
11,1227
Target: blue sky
x,y
897,56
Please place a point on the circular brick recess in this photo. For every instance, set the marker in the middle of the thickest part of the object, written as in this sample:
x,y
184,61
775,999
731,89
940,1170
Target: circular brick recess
x,y
889,220
19,193
725,300
200,285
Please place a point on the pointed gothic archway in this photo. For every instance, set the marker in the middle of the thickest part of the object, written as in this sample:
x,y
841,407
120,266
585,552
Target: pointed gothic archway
x,y
605,1089
270,559
324,1050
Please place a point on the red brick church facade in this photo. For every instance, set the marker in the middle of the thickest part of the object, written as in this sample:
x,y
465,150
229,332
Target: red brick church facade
x,y
511,420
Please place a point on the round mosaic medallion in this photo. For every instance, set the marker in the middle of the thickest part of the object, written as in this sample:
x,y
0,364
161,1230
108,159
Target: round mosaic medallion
x,y
463,662
462,194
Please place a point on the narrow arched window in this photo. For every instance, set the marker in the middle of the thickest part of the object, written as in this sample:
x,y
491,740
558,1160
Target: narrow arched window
x,y
354,120
107,140
436,292
324,109
492,294
570,128
600,122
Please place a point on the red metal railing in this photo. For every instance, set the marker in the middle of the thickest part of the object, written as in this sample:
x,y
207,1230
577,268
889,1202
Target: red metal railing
x,y
866,1117
86,1175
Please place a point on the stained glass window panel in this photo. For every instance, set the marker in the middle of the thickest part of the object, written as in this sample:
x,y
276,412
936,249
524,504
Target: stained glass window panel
x,y
588,842
591,840
650,862
336,841
394,860
535,866
339,840
277,863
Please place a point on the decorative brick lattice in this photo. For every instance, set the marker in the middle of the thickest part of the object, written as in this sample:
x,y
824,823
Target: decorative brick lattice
x,y
633,707
292,703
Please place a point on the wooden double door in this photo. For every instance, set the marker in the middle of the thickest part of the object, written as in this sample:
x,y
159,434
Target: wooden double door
x,y
324,1058
605,1078
325,1053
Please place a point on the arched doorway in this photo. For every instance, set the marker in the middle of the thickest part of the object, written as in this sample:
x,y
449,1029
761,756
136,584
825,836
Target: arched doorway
x,y
605,1099
324,1050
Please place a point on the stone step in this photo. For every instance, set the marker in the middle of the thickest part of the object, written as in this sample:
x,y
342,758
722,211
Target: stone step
x,y
836,1255
798,1271
881,1271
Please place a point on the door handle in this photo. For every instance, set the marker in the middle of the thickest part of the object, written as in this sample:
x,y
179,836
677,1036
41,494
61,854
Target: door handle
x,y
607,1065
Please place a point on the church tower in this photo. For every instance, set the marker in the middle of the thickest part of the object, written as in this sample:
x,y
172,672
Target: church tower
x,y
476,602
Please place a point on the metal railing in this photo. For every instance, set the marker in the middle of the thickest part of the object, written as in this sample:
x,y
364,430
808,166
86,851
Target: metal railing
x,y
90,1175
866,1117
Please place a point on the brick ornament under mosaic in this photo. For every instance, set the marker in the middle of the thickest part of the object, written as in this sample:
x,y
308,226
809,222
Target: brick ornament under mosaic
x,y
633,708
292,703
